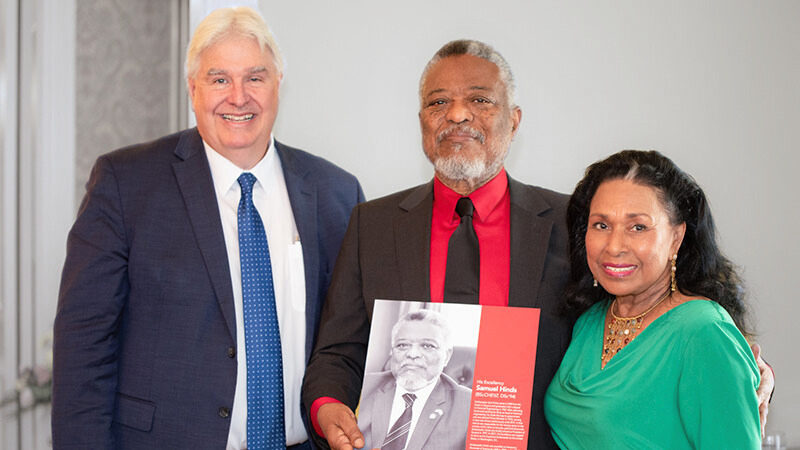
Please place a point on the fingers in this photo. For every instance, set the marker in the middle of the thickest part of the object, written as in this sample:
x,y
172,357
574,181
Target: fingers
x,y
766,387
354,434
756,351
339,442
767,378
339,425
764,391
763,411
346,436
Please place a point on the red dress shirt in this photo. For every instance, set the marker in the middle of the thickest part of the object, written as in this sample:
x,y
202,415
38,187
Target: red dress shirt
x,y
492,222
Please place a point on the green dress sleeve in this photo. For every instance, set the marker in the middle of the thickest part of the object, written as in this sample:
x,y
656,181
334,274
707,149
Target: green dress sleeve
x,y
717,399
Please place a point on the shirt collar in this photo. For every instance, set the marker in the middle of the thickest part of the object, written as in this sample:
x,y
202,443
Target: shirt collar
x,y
485,198
226,174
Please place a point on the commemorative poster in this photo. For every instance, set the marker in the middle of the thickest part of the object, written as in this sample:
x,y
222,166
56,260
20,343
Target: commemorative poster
x,y
448,376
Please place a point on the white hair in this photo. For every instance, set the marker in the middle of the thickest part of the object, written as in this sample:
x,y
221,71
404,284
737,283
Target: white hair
x,y
430,316
224,22
480,50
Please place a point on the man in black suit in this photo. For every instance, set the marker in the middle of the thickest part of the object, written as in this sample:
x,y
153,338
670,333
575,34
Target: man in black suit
x,y
397,247
401,246
156,334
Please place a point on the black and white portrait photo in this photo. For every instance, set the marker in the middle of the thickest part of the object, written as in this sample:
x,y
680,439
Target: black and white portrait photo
x,y
418,380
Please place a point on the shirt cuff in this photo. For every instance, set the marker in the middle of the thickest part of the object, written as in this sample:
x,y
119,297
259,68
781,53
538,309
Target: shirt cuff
x,y
315,409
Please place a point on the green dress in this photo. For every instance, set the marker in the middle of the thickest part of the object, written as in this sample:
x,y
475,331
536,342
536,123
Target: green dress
x,y
687,381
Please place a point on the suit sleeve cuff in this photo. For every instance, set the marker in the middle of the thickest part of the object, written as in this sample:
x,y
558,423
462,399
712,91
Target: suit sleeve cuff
x,y
315,409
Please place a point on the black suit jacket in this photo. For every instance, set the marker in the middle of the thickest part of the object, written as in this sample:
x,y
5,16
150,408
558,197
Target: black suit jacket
x,y
145,335
386,255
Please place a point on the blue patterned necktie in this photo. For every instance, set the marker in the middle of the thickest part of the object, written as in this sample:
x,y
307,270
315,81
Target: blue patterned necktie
x,y
265,427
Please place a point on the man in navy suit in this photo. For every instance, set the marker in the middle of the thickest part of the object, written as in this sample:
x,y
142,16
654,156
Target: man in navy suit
x,y
149,336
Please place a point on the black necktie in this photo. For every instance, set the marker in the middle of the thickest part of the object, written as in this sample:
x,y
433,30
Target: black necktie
x,y
462,278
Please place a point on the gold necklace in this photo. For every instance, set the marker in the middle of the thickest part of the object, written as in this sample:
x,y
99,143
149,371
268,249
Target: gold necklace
x,y
622,330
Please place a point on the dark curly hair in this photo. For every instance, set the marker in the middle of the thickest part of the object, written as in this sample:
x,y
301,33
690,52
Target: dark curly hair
x,y
702,269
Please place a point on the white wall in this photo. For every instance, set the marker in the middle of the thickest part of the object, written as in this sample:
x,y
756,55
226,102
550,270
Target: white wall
x,y
712,84
37,80
9,435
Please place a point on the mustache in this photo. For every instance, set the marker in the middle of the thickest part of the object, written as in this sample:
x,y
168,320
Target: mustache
x,y
412,366
464,130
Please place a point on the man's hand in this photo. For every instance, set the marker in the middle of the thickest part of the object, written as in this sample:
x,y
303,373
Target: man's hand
x,y
765,388
339,425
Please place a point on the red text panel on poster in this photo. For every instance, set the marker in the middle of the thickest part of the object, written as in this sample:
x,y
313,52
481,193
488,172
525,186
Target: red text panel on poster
x,y
503,384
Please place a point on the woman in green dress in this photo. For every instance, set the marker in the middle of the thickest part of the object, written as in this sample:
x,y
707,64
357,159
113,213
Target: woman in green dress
x,y
658,358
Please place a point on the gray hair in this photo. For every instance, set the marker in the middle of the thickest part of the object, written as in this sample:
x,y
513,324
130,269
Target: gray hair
x,y
223,22
474,48
430,316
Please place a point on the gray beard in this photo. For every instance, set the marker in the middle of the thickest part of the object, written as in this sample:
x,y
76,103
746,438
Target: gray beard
x,y
473,171
411,382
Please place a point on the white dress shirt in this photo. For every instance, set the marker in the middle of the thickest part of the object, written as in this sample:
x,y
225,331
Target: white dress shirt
x,y
286,254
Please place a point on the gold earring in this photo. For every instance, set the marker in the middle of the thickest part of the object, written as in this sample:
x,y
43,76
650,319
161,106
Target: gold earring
x,y
595,282
674,285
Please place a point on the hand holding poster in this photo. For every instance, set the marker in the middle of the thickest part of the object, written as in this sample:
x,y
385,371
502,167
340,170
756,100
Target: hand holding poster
x,y
448,376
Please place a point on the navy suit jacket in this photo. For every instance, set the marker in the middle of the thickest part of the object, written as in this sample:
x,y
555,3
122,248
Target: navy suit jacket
x,y
442,422
145,335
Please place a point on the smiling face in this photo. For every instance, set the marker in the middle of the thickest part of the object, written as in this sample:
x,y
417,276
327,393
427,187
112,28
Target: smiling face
x,y
419,354
466,120
630,241
235,98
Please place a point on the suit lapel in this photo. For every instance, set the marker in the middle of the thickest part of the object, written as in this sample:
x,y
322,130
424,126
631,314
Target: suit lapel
x,y
382,410
197,188
433,410
412,234
530,237
303,197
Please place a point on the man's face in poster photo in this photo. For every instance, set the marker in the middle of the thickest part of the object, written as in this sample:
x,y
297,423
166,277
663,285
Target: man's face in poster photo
x,y
419,353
